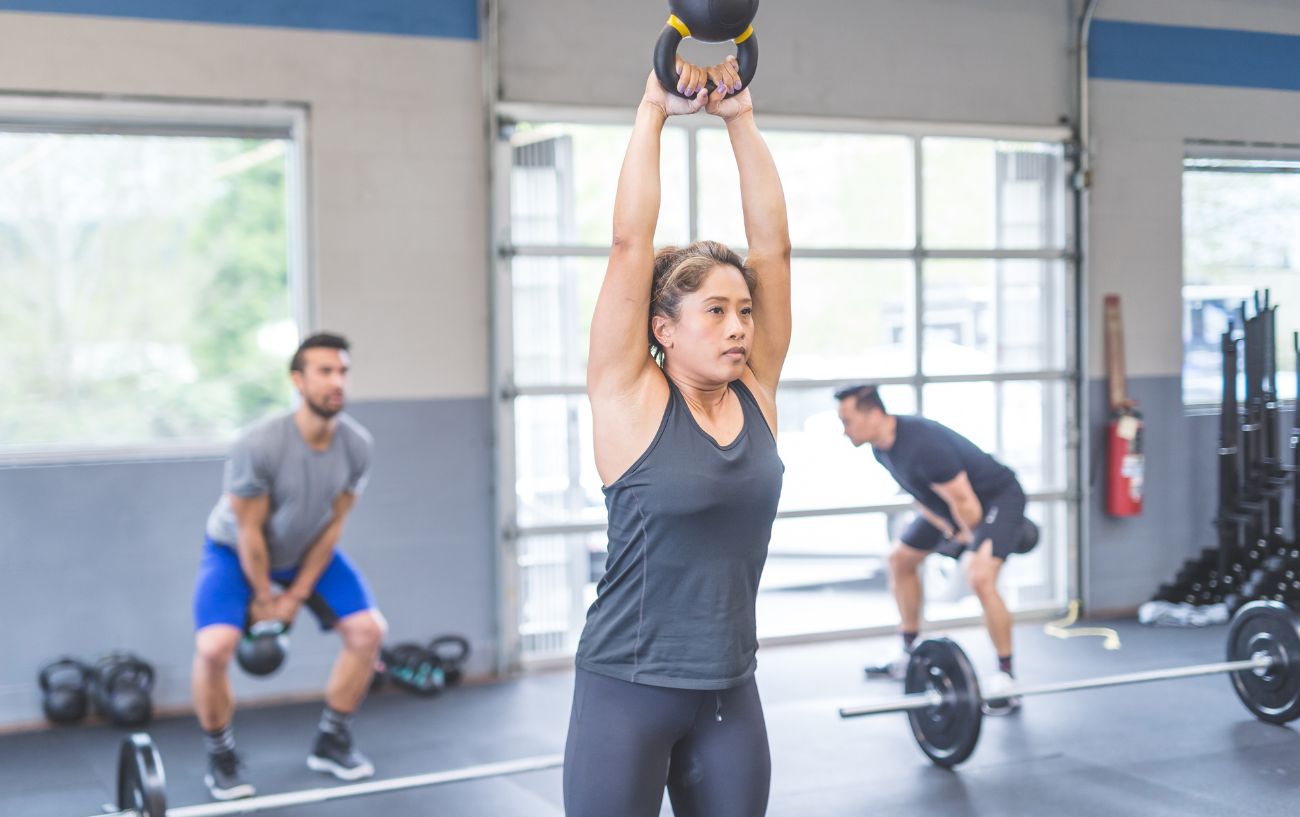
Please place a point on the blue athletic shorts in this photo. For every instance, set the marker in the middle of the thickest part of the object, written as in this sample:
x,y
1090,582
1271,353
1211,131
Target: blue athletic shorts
x,y
222,593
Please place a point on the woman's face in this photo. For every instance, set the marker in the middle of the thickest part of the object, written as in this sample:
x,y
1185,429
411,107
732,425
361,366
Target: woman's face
x,y
714,332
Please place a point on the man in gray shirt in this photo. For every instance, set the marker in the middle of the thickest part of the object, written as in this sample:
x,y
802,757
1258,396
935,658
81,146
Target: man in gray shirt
x,y
271,547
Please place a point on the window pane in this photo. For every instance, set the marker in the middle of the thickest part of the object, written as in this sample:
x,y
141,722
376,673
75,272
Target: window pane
x,y
565,176
146,288
822,468
842,190
1022,423
851,319
1239,234
554,299
826,573
557,582
994,316
986,194
555,467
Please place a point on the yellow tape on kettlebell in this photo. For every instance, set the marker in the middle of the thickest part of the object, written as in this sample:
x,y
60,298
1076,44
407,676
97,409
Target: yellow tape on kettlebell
x,y
749,32
676,23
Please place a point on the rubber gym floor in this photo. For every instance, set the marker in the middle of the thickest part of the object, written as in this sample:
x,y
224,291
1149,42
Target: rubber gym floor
x,y
1178,748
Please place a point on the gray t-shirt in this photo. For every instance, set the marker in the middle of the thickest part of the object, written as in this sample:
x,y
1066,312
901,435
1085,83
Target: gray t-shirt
x,y
272,459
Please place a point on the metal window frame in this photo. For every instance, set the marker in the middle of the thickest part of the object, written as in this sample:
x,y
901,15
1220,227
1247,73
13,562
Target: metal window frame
x,y
156,116
1061,571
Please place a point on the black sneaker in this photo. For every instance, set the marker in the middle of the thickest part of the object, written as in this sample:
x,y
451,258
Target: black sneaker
x,y
223,778
333,754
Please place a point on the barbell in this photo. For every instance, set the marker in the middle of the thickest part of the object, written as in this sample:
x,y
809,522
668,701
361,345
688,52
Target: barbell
x,y
142,784
945,708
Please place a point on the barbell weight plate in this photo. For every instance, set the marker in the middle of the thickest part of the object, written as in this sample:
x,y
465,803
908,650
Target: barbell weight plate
x,y
1270,628
141,782
948,732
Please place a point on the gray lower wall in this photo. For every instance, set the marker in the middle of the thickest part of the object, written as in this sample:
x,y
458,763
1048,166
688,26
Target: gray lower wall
x,y
96,557
1128,558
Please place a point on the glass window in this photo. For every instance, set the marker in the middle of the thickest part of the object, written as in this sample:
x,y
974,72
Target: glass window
x,y
554,299
825,573
556,480
982,194
550,568
868,306
1241,233
851,316
147,291
564,178
987,316
842,190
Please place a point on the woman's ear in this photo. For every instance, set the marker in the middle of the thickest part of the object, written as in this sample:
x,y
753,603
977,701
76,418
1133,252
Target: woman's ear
x,y
663,331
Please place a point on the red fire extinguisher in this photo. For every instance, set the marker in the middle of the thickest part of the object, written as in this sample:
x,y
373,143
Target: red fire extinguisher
x,y
1125,462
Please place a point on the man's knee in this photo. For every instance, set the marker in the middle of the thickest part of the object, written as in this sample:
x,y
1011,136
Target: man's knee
x,y
214,646
904,560
982,575
364,631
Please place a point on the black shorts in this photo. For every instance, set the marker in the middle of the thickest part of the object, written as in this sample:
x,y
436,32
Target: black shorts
x,y
1003,524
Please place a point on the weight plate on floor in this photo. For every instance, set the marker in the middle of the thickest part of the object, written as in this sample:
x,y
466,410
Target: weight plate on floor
x,y
948,732
141,784
1267,628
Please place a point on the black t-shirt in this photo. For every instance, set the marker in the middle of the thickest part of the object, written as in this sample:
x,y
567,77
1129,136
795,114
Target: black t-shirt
x,y
926,453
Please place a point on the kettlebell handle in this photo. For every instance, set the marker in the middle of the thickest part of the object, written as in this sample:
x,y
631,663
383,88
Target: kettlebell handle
x,y
129,666
665,57
270,626
52,668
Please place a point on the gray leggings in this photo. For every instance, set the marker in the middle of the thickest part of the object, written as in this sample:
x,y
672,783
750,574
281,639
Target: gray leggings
x,y
627,741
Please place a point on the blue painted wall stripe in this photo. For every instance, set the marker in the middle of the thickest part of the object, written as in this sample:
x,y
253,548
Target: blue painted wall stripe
x,y
416,18
1194,56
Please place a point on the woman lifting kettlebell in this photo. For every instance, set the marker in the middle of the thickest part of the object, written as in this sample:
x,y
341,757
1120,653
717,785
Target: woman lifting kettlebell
x,y
687,345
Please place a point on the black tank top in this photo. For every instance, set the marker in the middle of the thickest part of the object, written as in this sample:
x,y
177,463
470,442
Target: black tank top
x,y
689,525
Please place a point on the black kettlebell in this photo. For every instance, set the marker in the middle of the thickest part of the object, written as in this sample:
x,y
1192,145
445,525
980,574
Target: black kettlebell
x,y
709,21
264,647
64,690
452,652
1028,537
122,686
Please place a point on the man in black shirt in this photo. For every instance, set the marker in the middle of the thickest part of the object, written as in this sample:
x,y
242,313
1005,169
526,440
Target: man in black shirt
x,y
967,501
